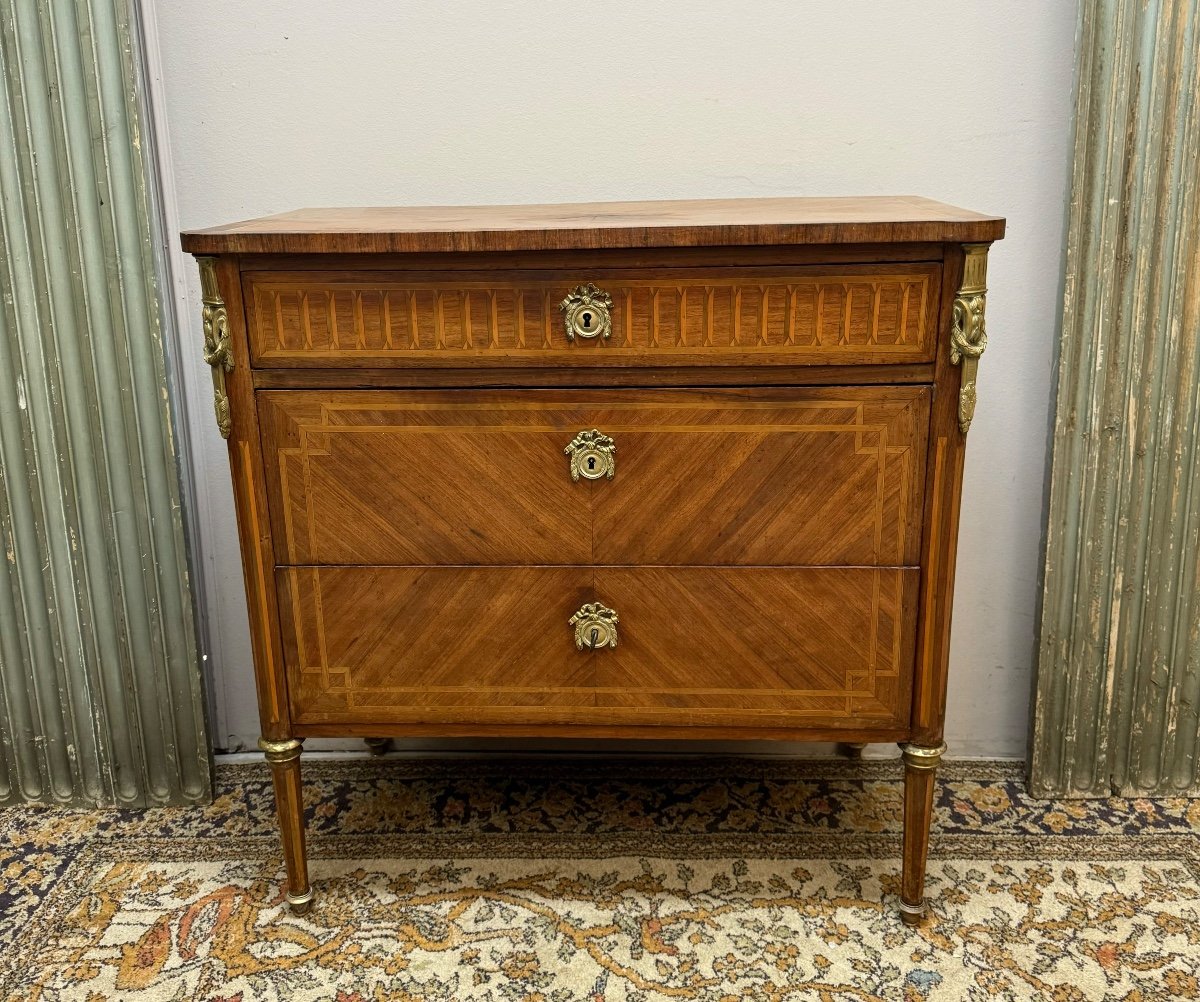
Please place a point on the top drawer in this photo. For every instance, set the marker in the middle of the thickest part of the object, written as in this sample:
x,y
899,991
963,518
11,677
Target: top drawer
x,y
820,315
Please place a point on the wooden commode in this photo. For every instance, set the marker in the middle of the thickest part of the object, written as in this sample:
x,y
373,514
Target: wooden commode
x,y
640,470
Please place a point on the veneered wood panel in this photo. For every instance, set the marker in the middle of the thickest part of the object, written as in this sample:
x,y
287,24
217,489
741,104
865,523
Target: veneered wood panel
x,y
834,643
647,259
804,730
939,547
832,314
593,225
436,546
250,496
365,477
493,646
385,643
543,376
736,476
801,476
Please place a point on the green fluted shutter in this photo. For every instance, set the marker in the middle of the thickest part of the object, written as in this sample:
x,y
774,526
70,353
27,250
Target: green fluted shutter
x,y
100,701
1118,686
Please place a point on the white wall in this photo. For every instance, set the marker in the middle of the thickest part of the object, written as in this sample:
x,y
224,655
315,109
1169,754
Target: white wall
x,y
275,104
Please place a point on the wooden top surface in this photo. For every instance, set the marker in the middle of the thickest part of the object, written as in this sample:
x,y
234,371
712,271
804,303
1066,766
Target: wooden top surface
x,y
598,225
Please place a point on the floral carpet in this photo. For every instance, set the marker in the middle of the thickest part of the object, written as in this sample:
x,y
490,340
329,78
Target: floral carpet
x,y
598,880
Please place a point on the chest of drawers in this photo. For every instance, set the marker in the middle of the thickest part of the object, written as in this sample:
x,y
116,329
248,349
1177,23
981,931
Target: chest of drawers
x,y
676,470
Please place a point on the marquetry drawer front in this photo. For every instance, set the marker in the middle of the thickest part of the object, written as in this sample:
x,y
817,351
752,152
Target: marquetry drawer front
x,y
729,647
826,315
813,476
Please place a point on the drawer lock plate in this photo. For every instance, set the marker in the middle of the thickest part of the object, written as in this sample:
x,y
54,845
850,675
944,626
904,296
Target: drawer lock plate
x,y
595,627
593,455
587,313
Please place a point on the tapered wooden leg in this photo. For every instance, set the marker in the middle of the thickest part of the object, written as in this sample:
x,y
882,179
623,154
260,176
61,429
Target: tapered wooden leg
x,y
920,766
284,758
851,749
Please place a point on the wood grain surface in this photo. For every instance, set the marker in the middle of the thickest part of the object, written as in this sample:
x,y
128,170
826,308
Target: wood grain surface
x,y
689,223
253,517
289,808
823,476
657,260
735,647
939,547
836,314
642,377
920,786
780,533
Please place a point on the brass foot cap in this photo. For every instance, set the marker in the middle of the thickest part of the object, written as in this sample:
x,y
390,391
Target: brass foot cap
x,y
913,914
300,903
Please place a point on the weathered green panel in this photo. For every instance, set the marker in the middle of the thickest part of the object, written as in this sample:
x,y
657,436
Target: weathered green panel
x,y
1118,687
100,693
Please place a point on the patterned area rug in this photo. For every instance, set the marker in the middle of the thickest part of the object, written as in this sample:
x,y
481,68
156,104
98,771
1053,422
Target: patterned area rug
x,y
594,881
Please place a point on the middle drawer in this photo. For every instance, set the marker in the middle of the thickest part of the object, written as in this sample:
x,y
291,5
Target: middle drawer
x,y
779,476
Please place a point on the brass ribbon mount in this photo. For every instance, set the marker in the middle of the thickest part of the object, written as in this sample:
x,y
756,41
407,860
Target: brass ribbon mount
x,y
593,455
968,334
595,627
218,350
587,313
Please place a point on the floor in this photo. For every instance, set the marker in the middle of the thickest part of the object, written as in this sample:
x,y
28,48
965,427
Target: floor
x,y
605,879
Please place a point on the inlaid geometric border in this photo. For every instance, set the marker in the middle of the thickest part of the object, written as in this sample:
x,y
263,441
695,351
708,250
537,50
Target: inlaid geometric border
x,y
869,440
416,317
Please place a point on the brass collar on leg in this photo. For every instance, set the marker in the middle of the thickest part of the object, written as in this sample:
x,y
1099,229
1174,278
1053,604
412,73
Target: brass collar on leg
x,y
912,914
278,752
922,756
300,903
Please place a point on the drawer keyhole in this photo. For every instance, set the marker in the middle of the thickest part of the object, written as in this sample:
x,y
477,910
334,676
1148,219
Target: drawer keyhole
x,y
595,627
586,312
591,455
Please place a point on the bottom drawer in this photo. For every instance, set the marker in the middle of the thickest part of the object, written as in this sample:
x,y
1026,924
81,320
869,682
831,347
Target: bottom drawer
x,y
711,647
